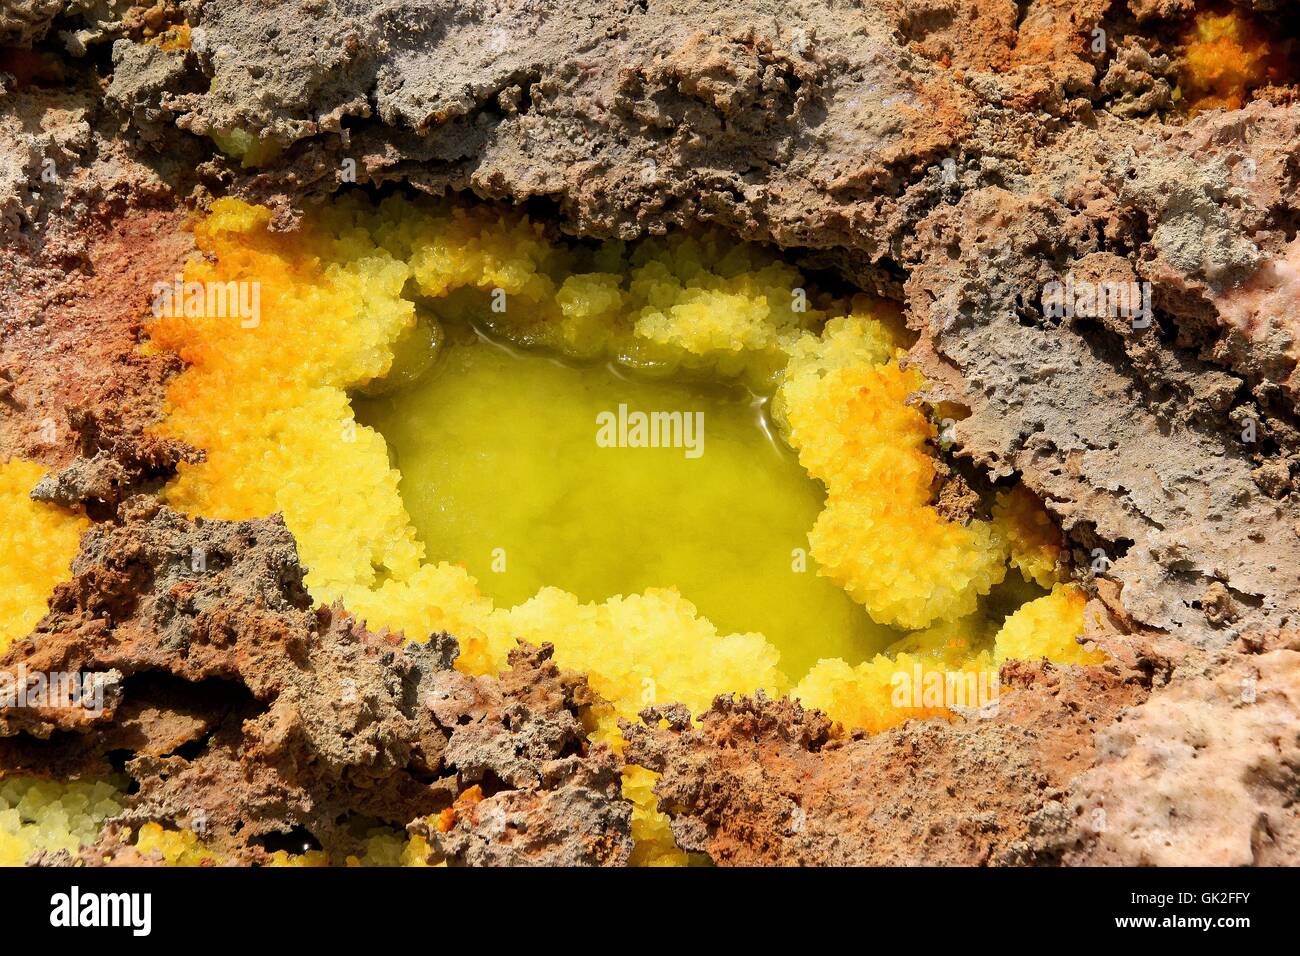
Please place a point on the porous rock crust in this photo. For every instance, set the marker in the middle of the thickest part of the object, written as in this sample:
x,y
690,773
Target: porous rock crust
x,y
1083,766
227,698
958,156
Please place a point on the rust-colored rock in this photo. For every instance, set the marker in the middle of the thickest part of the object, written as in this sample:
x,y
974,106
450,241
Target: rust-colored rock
x,y
233,701
764,782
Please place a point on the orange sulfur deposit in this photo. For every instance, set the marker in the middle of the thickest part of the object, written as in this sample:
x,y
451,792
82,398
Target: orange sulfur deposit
x,y
1228,55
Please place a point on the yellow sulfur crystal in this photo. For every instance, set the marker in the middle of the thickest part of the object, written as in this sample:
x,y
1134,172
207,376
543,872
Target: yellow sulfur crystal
x,y
1032,537
40,815
37,544
1047,627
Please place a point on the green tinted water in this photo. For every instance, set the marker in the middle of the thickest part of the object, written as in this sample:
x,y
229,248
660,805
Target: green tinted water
x,y
505,469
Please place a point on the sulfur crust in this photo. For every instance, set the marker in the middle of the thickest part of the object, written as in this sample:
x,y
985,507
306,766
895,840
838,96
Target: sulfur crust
x,y
1032,538
879,536
38,542
270,404
1226,57
176,847
186,848
1048,628
38,815
863,696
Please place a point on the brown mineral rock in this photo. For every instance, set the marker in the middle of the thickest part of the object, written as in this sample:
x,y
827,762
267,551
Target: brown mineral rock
x,y
760,781
233,701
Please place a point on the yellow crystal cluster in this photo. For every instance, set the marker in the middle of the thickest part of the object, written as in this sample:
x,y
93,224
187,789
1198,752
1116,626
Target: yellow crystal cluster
x,y
1033,541
931,672
382,847
846,402
1227,55
1048,627
38,815
37,544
